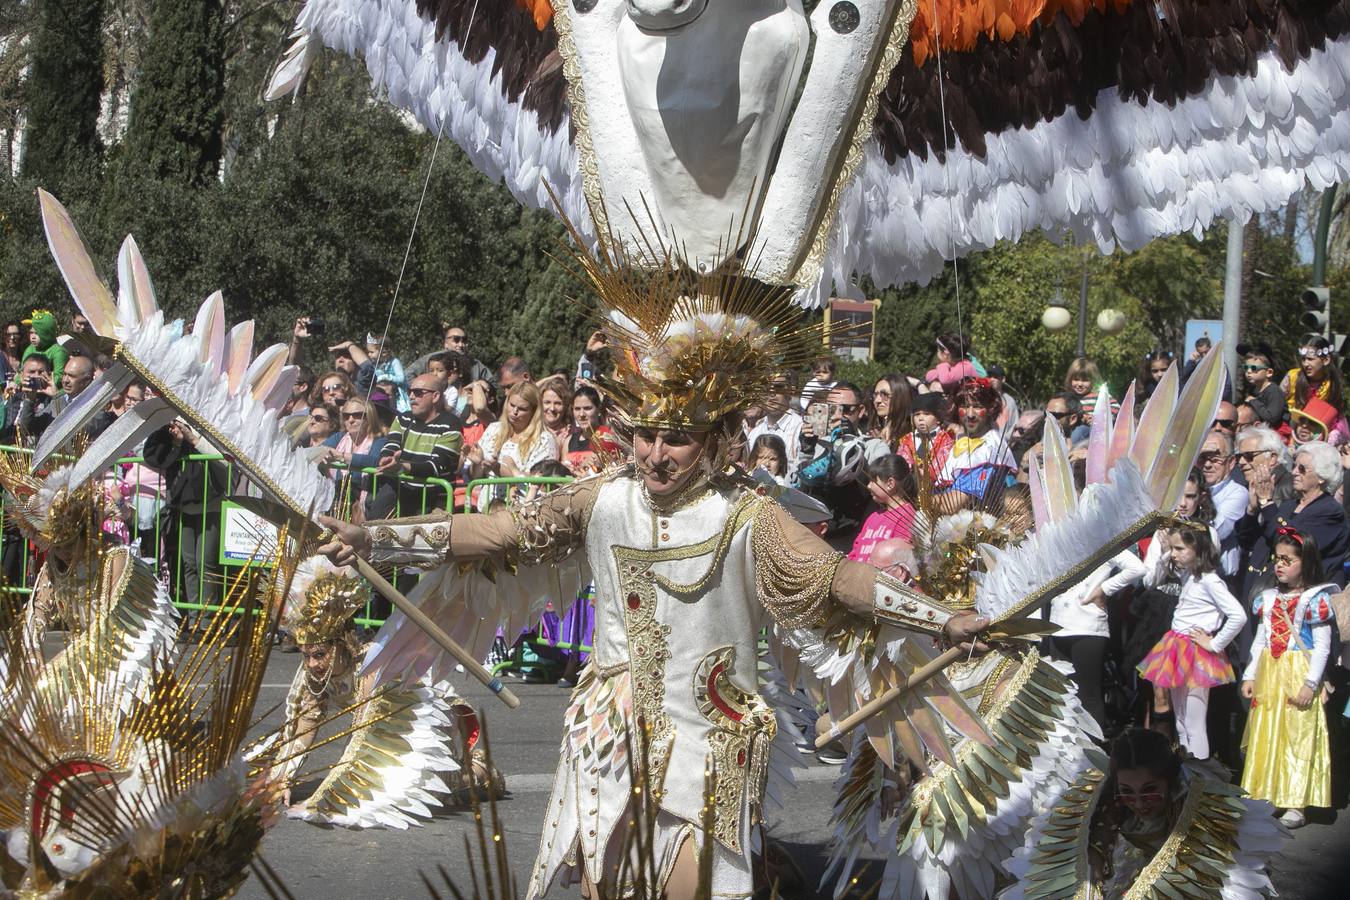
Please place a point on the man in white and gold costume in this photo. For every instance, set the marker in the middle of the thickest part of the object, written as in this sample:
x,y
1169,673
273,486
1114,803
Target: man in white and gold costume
x,y
690,560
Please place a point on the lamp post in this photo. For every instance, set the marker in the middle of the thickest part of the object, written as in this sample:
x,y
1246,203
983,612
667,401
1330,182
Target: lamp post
x,y
1057,316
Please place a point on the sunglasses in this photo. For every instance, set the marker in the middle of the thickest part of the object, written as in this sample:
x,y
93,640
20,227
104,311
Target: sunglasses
x,y
1211,458
845,408
1249,455
331,388
323,419
1058,415
456,338
422,392
358,414
1255,368
1230,424
1301,469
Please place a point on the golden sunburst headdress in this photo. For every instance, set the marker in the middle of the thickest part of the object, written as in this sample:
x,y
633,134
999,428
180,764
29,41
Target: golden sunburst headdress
x,y
691,347
322,600
49,511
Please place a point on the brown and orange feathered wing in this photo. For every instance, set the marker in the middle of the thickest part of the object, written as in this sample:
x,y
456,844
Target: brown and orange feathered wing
x,y
1116,120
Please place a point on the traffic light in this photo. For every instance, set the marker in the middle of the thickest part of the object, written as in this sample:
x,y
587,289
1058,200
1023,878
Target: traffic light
x,y
1316,316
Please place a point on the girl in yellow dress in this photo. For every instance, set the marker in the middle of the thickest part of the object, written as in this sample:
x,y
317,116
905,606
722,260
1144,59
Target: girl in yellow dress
x,y
1288,762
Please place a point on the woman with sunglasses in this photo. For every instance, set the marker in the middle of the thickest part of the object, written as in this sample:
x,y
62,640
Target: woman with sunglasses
x,y
358,446
11,350
1313,510
888,413
1317,376
323,423
334,387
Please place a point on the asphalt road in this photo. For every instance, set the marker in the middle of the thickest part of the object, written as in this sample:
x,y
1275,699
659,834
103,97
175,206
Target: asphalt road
x,y
328,864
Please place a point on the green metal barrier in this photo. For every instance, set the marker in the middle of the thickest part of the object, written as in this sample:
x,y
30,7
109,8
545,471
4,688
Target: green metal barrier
x,y
191,560
517,481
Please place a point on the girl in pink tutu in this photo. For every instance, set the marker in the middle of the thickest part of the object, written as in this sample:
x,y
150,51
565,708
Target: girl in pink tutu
x,y
1190,658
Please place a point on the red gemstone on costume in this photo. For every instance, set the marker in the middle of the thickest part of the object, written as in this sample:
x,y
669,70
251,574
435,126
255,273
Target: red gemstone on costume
x,y
634,601
740,757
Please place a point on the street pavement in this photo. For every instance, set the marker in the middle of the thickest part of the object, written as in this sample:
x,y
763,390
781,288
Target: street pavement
x,y
334,864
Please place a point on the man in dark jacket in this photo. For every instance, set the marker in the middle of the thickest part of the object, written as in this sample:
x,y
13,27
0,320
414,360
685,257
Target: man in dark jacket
x,y
190,517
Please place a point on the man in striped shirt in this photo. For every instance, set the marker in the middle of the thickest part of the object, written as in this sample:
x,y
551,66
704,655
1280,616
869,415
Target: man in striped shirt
x,y
423,444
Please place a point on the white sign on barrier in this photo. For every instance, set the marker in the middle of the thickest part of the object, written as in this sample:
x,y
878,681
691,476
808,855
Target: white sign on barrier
x,y
246,538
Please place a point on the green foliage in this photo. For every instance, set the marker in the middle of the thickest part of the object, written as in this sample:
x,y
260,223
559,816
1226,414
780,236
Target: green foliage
x,y
176,111
1004,291
63,91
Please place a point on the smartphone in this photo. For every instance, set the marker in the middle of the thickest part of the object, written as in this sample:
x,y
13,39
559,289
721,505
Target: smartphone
x,y
818,414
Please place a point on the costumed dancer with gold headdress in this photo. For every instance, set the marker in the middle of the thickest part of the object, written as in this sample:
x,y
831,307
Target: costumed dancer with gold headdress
x,y
106,596
943,833
125,794
1141,824
690,560
370,786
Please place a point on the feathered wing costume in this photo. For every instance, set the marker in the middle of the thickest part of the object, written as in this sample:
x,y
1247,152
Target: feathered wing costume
x,y
947,835
109,600
207,375
684,584
401,750
99,797
921,129
1219,845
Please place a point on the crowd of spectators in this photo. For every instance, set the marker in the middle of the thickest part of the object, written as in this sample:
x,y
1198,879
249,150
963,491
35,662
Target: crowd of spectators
x,y
449,430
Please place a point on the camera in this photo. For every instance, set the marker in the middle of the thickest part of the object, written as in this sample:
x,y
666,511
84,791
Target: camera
x,y
34,384
316,327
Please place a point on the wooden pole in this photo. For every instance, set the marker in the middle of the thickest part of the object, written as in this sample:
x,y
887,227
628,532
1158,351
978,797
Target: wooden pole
x,y
422,621
880,702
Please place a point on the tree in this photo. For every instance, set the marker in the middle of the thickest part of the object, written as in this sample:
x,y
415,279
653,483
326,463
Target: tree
x,y
64,90
177,107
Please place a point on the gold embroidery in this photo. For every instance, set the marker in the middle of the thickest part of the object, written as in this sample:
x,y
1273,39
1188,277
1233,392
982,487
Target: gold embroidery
x,y
793,587
743,731
897,603
428,546
806,267
648,648
576,103
648,652
553,525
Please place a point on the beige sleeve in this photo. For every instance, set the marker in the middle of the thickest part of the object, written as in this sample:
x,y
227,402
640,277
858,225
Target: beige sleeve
x,y
544,530
802,580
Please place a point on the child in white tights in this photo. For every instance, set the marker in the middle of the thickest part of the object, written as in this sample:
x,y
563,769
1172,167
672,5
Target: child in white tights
x,y
1190,658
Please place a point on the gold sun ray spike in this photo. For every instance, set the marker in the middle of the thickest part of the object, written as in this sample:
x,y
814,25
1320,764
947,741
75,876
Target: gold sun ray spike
x,y
689,346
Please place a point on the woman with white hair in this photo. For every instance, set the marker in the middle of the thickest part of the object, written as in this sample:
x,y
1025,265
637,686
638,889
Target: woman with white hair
x,y
1313,510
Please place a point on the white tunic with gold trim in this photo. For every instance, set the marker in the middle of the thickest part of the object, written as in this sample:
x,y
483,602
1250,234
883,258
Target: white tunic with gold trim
x,y
681,597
